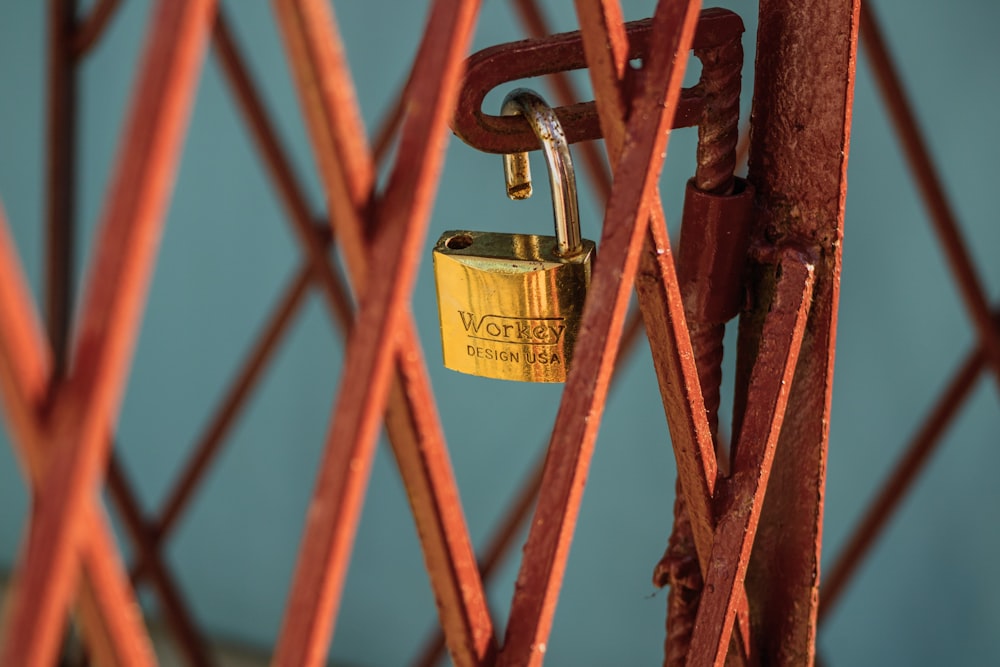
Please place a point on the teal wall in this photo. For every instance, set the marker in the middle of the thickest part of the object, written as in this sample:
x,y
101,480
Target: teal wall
x,y
930,594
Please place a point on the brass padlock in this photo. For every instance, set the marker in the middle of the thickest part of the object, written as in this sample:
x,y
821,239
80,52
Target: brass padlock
x,y
510,304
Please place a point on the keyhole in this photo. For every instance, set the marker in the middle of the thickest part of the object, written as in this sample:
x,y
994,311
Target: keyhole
x,y
459,242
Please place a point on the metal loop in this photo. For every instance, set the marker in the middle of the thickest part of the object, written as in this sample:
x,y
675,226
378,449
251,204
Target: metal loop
x,y
562,180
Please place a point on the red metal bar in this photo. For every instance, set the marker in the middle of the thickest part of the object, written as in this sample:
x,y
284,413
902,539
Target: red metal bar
x,y
718,126
677,375
891,494
105,598
225,415
319,576
192,644
389,125
110,619
942,214
613,106
741,495
335,127
571,447
798,165
315,243
710,265
275,158
90,29
501,540
87,407
663,312
59,174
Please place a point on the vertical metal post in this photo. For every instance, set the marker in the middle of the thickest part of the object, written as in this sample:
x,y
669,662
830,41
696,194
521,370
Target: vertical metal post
x,y
800,134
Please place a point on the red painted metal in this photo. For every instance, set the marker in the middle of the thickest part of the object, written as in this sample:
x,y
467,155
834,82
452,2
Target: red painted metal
x,y
86,408
891,494
801,206
371,350
711,257
174,606
798,165
942,214
312,239
660,301
719,88
92,27
150,535
741,495
60,165
570,449
501,540
711,260
108,613
70,40
210,442
946,225
504,63
709,168
389,125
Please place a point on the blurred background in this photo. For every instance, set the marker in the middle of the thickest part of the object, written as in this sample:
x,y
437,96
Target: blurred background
x,y
928,595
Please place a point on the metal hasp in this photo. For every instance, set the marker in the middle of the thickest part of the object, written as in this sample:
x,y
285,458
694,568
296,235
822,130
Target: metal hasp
x,y
561,53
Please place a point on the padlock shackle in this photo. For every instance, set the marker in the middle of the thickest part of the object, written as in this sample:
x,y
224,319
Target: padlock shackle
x,y
562,179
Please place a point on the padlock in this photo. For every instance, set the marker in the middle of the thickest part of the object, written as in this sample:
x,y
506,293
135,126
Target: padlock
x,y
510,304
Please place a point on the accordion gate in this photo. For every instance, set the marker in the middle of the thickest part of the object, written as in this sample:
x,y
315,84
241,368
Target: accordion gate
x,y
759,555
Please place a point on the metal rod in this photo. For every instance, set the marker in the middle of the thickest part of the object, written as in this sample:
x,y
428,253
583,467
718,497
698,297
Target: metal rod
x,y
60,178
185,630
718,128
90,30
389,126
718,132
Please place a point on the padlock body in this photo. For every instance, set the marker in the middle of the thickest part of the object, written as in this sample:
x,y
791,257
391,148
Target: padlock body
x,y
509,307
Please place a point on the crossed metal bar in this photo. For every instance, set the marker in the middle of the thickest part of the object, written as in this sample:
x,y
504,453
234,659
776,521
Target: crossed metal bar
x,y
82,409
84,405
